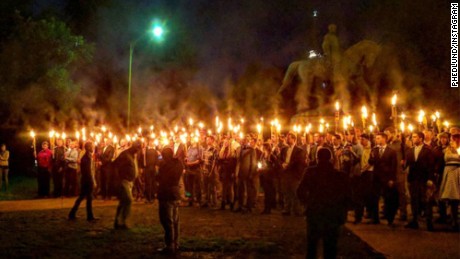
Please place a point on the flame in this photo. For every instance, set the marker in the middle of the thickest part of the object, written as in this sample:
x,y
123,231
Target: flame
x,y
421,114
402,126
337,106
393,99
364,112
374,119
410,127
51,133
32,134
259,128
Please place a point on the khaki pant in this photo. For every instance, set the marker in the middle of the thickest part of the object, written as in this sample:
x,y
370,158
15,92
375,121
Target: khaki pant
x,y
125,201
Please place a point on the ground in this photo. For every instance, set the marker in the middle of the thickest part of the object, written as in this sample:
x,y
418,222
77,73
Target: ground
x,y
39,228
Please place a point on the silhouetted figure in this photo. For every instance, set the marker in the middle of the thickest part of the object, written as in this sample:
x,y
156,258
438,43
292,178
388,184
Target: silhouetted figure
x,y
126,166
169,198
88,183
326,194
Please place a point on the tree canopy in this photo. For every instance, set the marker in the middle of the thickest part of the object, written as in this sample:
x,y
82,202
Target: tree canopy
x,y
37,62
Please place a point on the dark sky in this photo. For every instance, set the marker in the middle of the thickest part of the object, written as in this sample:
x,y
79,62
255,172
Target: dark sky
x,y
220,39
225,36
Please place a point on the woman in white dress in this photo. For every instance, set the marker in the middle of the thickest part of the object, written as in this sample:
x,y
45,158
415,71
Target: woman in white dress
x,y
450,185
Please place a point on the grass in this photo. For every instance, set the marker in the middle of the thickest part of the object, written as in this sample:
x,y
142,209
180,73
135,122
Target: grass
x,y
20,188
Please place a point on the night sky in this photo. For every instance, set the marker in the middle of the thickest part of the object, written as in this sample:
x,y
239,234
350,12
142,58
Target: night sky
x,y
219,43
225,36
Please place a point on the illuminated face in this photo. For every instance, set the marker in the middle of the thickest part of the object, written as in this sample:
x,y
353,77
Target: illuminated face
x,y
45,146
291,139
209,141
317,138
252,142
3,148
380,140
336,141
416,139
59,142
364,141
444,141
350,138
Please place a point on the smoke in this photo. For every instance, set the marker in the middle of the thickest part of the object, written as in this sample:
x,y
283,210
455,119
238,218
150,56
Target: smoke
x,y
228,58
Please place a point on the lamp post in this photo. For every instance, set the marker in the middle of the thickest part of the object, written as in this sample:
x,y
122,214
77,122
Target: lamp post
x,y
158,33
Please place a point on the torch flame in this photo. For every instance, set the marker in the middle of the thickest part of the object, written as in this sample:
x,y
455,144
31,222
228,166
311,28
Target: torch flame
x,y
410,127
364,112
393,99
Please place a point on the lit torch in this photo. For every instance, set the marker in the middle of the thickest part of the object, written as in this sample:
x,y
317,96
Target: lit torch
x,y
32,135
337,115
394,111
364,116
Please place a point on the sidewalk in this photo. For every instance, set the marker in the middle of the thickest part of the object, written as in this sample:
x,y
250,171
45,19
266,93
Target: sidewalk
x,y
399,242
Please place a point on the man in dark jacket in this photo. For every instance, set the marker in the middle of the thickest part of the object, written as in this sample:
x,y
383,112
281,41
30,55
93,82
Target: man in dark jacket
x,y
385,162
58,167
169,176
247,176
420,161
126,166
88,182
293,164
325,193
151,162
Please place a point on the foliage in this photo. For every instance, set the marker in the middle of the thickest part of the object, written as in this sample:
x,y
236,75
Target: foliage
x,y
37,62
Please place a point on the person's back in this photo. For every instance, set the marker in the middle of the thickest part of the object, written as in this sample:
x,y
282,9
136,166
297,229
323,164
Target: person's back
x,y
125,165
169,175
169,196
325,193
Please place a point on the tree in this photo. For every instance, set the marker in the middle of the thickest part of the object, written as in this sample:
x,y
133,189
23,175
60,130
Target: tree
x,y
37,63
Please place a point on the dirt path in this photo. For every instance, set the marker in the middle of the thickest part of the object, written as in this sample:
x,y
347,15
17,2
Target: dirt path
x,y
47,204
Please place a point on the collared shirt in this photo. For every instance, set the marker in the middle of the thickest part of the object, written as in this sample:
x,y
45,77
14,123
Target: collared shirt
x,y
382,150
176,147
417,150
365,159
289,153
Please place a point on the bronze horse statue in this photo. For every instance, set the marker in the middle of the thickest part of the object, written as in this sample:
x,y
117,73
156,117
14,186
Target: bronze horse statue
x,y
355,75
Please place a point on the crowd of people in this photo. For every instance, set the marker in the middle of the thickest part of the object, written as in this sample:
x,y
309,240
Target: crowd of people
x,y
419,170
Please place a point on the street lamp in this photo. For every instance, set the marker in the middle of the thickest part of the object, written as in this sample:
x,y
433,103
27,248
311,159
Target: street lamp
x,y
158,34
